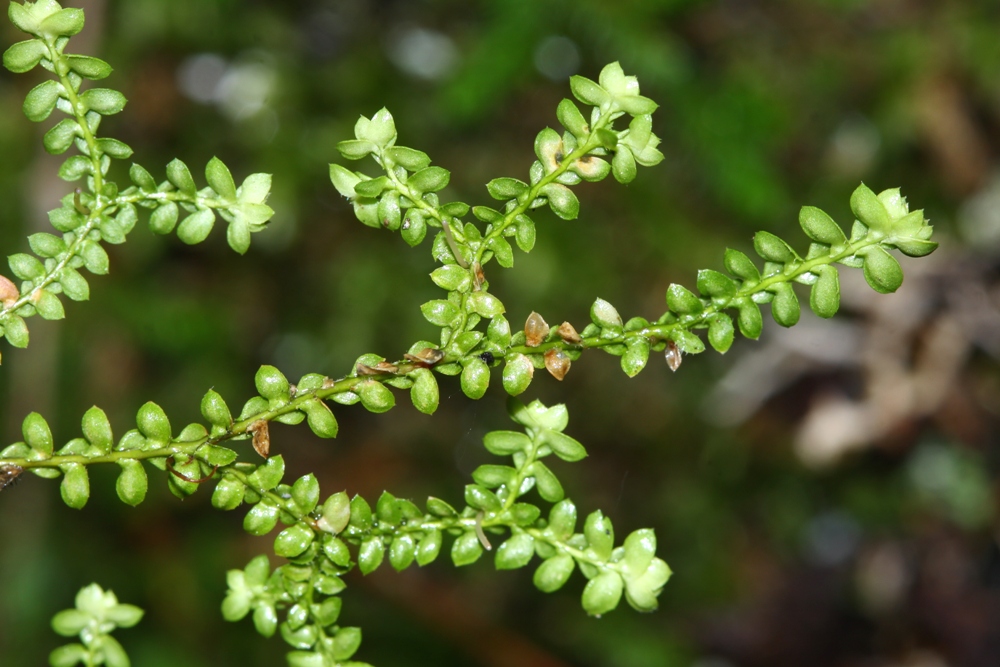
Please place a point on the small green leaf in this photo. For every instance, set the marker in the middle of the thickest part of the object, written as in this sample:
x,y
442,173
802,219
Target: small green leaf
x,y
132,482
15,330
261,519
516,552
153,423
517,374
228,494
408,158
370,555
505,443
547,483
271,383
721,332
641,592
402,552
414,229
321,419
95,258
89,67
452,277
623,165
424,393
180,176
439,312
375,396
505,188
238,236
429,179
336,513
741,266
588,91
482,498
750,320
293,540
75,486
269,474
345,644
388,210
196,227
682,300
74,285
772,248
602,593
870,211
305,493
37,434
600,534
820,227
640,548
485,304
785,307
215,410
48,305
605,315
41,100
565,447
554,573
104,101
429,547
466,549
571,118
524,232
220,179
492,476
562,201
25,266
882,271
23,56
562,519
97,429
63,23
824,299
475,378
68,655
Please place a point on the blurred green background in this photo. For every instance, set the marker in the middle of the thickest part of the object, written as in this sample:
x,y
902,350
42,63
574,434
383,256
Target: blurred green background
x,y
826,496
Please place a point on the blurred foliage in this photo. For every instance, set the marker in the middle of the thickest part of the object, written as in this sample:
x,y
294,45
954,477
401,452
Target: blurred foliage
x,y
888,557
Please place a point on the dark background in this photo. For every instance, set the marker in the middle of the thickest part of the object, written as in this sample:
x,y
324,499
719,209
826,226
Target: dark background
x,y
826,496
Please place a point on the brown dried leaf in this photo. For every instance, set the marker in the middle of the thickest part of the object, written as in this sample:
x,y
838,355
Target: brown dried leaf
x,y
8,291
261,437
557,363
673,356
568,333
535,330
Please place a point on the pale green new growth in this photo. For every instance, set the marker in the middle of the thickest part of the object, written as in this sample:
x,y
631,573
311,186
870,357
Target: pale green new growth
x,y
324,538
96,615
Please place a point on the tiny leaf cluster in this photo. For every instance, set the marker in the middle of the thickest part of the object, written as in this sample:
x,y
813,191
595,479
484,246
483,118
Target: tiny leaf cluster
x,y
100,212
96,615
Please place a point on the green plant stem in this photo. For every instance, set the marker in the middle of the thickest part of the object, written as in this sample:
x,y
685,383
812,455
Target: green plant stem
x,y
659,332
62,70
174,196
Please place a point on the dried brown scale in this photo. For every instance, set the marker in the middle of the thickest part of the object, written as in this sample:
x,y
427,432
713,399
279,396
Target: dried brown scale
x,y
536,329
557,363
426,357
673,356
568,333
8,291
261,437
